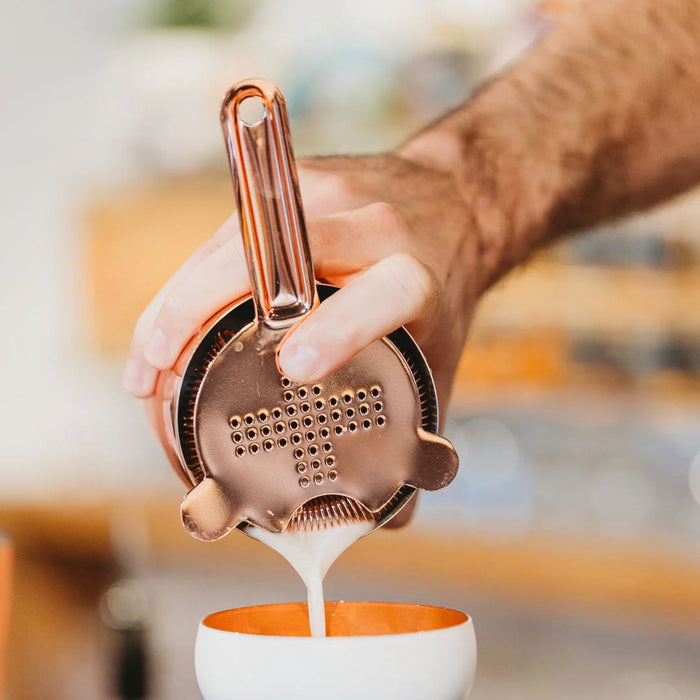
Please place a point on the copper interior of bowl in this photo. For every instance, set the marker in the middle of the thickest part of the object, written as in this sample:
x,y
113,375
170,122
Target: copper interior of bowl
x,y
343,619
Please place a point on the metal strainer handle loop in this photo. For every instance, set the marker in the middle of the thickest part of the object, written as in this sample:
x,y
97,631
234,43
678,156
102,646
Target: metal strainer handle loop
x,y
269,206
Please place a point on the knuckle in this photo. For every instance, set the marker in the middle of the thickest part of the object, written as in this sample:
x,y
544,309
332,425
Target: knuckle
x,y
389,217
172,309
232,252
330,234
329,187
337,186
415,280
142,325
204,250
227,230
320,234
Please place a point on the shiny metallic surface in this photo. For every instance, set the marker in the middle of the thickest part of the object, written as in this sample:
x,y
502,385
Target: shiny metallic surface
x,y
264,178
257,447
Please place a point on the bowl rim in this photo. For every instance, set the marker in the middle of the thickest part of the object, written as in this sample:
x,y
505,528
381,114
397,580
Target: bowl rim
x,y
460,619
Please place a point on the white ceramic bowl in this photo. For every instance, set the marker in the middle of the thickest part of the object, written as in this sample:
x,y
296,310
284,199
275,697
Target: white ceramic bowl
x,y
393,651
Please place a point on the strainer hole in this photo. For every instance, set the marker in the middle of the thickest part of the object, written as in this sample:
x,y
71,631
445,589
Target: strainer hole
x,y
254,448
298,453
317,390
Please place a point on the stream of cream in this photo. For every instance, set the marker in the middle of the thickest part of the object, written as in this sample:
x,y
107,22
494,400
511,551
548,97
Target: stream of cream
x,y
311,553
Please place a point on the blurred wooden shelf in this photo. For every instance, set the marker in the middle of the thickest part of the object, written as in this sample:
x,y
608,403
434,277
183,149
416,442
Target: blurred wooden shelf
x,y
619,303
137,237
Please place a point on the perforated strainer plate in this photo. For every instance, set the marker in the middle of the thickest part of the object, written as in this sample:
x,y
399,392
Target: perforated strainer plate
x,y
298,428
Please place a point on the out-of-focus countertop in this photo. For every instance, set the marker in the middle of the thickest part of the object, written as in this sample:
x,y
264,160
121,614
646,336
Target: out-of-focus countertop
x,y
644,577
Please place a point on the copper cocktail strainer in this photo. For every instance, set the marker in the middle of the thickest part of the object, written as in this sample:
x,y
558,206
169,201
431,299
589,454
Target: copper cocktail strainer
x,y
255,447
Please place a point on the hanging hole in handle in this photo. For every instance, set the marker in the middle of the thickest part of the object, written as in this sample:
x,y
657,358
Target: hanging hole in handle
x,y
251,111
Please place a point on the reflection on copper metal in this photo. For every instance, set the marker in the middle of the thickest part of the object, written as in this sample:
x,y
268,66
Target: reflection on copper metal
x,y
254,446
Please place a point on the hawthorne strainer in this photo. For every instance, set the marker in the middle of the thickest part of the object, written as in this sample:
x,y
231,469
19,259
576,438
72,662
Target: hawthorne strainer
x,y
258,448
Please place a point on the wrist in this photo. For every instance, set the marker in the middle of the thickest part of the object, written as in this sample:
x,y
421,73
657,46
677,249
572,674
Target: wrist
x,y
484,147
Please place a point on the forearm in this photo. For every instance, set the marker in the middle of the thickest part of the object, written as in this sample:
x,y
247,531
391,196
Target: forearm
x,y
600,118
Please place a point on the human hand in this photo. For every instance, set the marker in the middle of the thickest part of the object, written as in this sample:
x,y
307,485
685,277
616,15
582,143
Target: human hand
x,y
395,233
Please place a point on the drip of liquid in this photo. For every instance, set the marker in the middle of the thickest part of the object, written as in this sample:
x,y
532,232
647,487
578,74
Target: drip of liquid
x,y
312,552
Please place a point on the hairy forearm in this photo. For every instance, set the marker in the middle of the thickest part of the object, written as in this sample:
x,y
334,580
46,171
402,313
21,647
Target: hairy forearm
x,y
600,118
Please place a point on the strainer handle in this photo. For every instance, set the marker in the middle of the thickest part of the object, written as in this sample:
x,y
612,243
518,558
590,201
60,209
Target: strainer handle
x,y
271,217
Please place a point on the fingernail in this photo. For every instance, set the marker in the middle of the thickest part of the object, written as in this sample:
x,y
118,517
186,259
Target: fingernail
x,y
157,350
299,361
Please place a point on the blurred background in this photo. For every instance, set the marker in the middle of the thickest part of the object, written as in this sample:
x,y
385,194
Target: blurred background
x,y
572,533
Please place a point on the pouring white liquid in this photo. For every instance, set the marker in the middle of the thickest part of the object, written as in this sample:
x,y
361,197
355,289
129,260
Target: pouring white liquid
x,y
311,553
